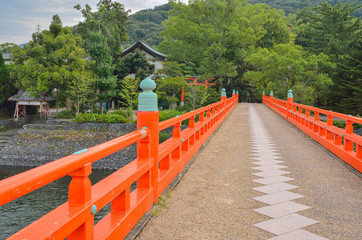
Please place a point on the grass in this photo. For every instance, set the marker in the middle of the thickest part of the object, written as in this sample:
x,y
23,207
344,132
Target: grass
x,y
163,202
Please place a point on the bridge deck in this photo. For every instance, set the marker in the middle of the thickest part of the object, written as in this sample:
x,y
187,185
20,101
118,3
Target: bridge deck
x,y
310,194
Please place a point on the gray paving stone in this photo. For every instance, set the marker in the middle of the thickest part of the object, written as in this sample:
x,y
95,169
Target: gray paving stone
x,y
269,158
298,235
274,188
278,197
265,163
269,167
281,209
272,180
285,224
270,173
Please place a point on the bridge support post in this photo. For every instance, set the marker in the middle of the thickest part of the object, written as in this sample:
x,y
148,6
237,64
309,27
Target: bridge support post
x,y
148,117
262,100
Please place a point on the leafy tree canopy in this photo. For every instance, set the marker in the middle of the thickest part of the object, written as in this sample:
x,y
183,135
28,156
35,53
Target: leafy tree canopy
x,y
216,35
53,59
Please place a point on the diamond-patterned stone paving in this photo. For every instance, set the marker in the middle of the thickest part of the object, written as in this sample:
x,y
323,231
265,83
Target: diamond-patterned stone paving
x,y
285,223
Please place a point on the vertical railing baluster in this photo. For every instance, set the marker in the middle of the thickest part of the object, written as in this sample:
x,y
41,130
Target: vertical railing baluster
x,y
80,193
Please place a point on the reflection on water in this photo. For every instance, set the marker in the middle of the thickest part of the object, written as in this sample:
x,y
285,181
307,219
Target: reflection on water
x,y
21,212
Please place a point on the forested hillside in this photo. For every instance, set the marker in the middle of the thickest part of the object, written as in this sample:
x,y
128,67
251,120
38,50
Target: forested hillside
x,y
147,25
293,6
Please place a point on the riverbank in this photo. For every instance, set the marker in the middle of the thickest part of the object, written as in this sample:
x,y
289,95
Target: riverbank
x,y
38,144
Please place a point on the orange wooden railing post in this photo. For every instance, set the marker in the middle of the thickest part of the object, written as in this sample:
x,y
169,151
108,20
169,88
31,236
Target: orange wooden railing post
x,y
262,100
290,102
237,96
271,97
223,101
80,193
148,117
348,145
329,125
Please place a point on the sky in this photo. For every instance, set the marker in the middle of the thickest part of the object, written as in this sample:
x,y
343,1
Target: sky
x,y
19,18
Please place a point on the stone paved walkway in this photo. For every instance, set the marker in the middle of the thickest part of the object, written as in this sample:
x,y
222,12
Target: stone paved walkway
x,y
262,179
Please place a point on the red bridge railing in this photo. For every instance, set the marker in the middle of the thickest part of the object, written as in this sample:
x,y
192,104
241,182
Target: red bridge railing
x,y
342,142
154,169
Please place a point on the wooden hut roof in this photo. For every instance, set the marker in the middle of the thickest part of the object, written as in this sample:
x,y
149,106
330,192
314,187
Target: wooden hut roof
x,y
25,96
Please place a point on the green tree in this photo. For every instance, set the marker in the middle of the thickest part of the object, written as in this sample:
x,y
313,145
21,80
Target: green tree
x,y
287,67
216,35
134,63
109,20
169,90
196,95
7,47
53,59
335,32
129,94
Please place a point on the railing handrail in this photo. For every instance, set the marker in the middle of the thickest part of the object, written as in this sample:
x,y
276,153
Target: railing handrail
x,y
170,122
33,179
342,116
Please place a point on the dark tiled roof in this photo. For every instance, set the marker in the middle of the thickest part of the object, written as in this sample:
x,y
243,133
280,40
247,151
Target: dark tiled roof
x,y
145,47
6,56
25,96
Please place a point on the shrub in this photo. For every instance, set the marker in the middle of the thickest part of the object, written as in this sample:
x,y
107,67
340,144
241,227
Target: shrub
x,y
66,114
2,128
167,114
120,112
86,117
116,118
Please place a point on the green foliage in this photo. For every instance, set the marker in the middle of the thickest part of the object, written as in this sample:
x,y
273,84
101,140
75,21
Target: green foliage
x,y
2,128
175,69
169,90
54,59
289,67
100,118
147,25
196,95
218,45
66,114
293,6
129,94
167,114
109,20
134,63
120,112
7,47
333,30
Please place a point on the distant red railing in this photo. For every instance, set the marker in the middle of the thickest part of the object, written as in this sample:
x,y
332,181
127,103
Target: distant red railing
x,y
342,142
153,170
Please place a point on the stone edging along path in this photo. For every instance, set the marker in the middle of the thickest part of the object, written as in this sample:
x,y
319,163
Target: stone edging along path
x,y
285,222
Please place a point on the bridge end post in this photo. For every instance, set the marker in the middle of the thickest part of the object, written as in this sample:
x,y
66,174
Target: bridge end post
x,y
290,102
237,96
223,100
262,99
148,117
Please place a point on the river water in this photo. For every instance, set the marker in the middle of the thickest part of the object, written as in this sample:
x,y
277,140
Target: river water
x,y
21,212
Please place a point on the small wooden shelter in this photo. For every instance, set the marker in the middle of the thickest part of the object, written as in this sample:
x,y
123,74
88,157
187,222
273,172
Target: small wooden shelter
x,y
23,99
